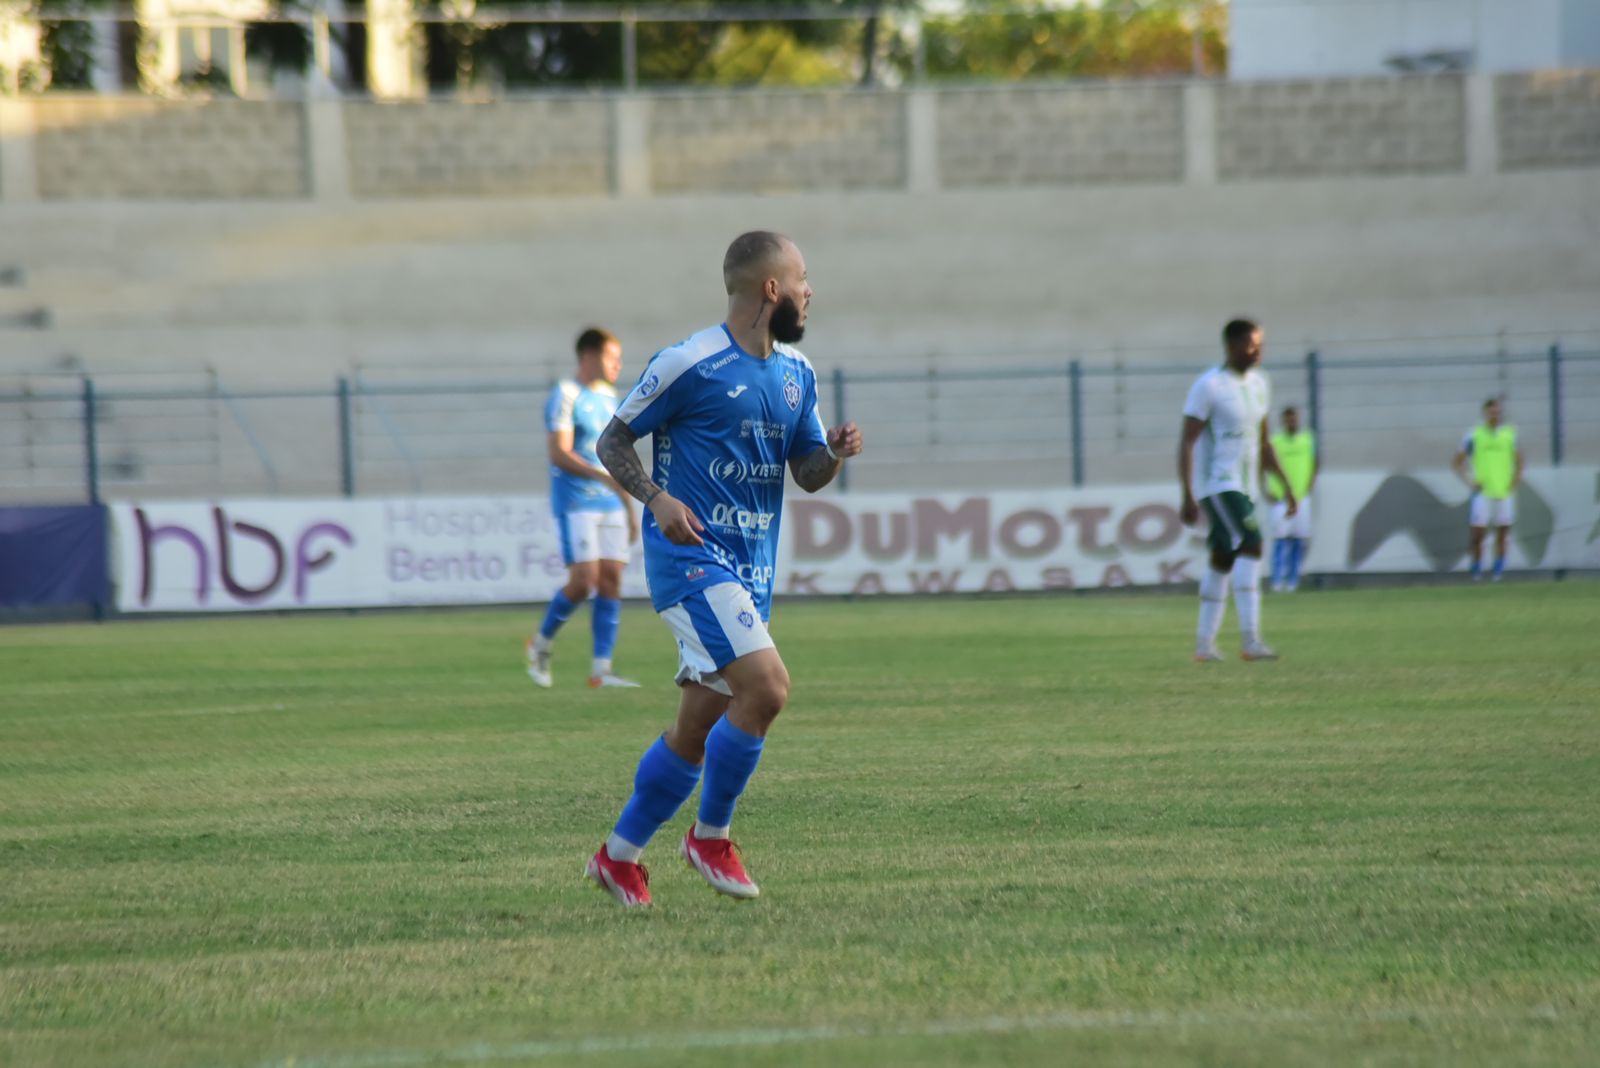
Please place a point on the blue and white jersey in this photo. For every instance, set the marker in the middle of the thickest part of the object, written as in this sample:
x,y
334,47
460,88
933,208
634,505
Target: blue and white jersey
x,y
586,411
724,424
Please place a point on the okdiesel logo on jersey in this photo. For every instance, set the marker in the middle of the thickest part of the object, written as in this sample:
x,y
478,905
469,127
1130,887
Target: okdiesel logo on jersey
x,y
733,470
730,517
650,384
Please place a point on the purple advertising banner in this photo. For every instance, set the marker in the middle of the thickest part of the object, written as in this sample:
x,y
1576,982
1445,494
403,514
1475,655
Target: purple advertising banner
x,y
53,556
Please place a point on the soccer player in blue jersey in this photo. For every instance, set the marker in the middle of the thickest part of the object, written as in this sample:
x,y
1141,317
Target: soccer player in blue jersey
x,y
729,409
595,520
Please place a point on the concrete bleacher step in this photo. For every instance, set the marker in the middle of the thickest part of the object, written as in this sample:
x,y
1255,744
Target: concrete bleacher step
x,y
20,310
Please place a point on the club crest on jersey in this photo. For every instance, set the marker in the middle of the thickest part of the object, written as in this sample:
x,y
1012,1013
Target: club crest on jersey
x,y
791,392
747,620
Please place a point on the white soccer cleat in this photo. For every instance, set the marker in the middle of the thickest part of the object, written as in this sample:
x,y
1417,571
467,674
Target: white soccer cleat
x,y
1207,654
608,680
539,665
1256,649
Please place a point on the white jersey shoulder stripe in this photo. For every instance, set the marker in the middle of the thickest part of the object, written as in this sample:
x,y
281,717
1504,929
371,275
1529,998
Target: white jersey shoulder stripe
x,y
794,354
566,399
669,365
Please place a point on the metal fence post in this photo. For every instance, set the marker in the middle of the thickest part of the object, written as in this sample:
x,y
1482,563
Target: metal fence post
x,y
347,459
838,420
1314,395
1075,401
1555,404
91,441
630,51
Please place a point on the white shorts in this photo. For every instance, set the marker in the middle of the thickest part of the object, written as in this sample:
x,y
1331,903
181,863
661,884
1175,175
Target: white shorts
x,y
714,627
1492,512
590,536
1292,526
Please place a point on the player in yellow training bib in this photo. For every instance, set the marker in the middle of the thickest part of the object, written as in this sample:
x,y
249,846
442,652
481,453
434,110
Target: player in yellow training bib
x,y
1297,455
1495,474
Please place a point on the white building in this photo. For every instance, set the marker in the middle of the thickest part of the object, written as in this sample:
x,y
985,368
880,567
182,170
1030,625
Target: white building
x,y
1322,38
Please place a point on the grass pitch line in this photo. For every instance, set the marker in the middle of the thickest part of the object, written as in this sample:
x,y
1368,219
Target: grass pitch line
x,y
483,1052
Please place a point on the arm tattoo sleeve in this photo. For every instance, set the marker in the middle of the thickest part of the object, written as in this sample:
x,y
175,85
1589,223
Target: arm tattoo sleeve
x,y
615,449
815,470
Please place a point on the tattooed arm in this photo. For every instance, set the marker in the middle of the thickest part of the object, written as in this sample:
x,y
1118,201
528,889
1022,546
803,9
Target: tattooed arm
x,y
817,468
814,470
615,449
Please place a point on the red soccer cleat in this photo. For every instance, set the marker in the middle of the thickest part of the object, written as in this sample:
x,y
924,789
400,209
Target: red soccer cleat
x,y
717,861
628,883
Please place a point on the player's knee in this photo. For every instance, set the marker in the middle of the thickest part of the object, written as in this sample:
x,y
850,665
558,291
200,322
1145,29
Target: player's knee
x,y
609,586
770,692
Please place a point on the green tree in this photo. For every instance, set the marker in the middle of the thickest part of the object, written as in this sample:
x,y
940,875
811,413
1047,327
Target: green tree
x,y
1148,39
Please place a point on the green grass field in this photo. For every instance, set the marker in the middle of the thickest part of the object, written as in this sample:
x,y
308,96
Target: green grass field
x,y
1016,831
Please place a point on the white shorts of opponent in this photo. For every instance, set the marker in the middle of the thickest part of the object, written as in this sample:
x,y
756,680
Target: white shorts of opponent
x,y
1292,526
590,536
714,627
1492,511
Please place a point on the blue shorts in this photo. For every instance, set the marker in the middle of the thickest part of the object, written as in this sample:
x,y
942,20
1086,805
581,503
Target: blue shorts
x,y
714,627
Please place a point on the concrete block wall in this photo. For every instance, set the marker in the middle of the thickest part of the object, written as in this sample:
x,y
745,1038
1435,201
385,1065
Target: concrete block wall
x,y
533,146
67,147
1043,136
1549,119
131,148
776,142
1346,126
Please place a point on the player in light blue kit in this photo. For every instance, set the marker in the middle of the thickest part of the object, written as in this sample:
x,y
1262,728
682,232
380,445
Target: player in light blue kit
x,y
729,409
595,521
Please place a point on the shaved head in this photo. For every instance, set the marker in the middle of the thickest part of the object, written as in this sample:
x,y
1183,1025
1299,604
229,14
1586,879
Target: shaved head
x,y
752,259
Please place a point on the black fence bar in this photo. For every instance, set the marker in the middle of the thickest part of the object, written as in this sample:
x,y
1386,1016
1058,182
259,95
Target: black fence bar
x,y
91,441
1555,405
1075,400
839,419
347,458
1314,395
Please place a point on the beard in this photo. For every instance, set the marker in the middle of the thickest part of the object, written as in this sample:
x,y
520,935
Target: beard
x,y
785,322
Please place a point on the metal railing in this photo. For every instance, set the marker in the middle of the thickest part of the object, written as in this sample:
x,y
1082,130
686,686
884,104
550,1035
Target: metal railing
x,y
1068,422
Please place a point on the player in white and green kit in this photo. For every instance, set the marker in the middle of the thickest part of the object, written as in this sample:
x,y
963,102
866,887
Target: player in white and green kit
x,y
1496,474
1221,454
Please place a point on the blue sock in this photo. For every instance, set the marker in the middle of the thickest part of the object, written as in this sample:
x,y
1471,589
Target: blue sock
x,y
559,612
1477,566
1280,557
663,782
1297,552
606,621
731,758
1499,565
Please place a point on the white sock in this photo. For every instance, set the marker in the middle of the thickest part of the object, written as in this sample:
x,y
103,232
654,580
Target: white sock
x,y
1247,596
623,850
541,644
702,831
601,668
1213,604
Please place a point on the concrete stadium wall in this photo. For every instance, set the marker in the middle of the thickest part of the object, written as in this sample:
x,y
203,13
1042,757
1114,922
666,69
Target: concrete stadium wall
x,y
1548,120
287,243
133,148
61,147
535,147
1350,126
